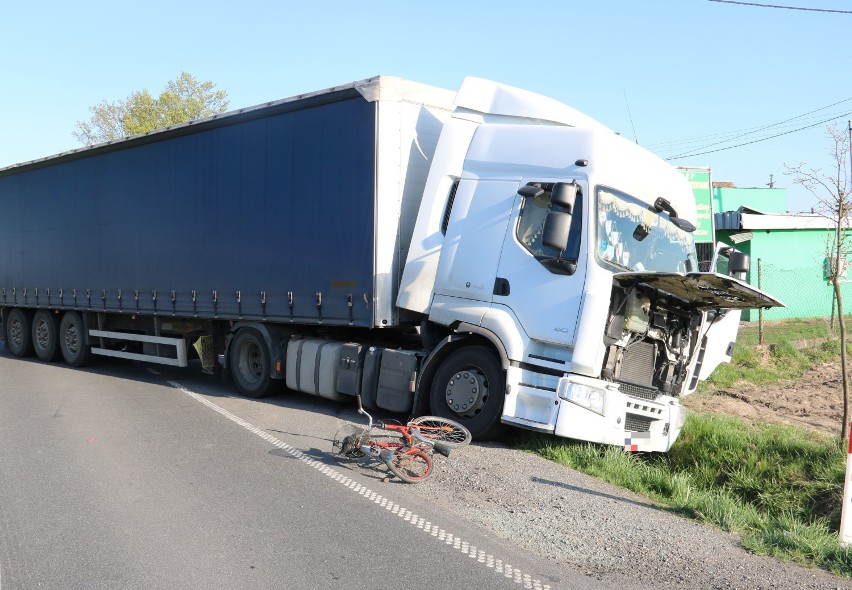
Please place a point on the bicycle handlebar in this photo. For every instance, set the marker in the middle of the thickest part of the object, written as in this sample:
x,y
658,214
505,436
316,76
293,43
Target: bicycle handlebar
x,y
442,449
363,412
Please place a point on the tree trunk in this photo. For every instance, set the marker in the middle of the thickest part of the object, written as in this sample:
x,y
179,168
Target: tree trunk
x,y
842,323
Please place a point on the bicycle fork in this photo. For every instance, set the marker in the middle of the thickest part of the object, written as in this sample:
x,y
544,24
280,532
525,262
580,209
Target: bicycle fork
x,y
384,454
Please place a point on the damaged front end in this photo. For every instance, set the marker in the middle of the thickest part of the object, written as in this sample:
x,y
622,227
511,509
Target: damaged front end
x,y
665,332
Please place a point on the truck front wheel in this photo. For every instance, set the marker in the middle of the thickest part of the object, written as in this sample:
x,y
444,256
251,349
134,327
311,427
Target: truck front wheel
x,y
19,337
250,363
469,388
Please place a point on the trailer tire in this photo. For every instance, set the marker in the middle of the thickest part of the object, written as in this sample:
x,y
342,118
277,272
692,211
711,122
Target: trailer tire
x,y
72,340
46,336
475,372
250,363
19,337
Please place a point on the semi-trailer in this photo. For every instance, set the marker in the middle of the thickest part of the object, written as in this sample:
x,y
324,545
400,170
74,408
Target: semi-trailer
x,y
490,255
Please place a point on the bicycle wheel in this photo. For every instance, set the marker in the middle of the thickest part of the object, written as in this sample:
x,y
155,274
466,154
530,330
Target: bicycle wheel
x,y
410,464
450,433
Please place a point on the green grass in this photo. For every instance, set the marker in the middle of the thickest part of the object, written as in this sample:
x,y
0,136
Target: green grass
x,y
778,487
771,363
792,330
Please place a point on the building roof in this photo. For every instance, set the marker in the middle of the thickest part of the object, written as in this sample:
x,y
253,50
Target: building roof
x,y
751,219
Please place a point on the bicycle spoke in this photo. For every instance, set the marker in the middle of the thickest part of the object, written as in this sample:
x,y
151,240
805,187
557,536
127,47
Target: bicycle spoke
x,y
441,429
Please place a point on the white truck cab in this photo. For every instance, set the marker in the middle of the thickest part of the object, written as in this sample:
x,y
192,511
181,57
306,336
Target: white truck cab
x,y
565,253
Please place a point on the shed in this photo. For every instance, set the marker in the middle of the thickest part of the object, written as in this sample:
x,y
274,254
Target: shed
x,y
789,258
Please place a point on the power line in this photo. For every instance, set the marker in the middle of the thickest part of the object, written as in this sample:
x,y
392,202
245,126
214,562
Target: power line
x,y
784,7
730,147
746,132
706,141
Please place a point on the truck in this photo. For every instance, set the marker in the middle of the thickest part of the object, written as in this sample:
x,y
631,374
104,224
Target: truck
x,y
489,255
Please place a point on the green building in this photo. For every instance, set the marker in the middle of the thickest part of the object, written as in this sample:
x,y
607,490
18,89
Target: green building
x,y
788,251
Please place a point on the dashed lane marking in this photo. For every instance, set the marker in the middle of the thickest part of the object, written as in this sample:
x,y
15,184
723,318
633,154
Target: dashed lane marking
x,y
487,560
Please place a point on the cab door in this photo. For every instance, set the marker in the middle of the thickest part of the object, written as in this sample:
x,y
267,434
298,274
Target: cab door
x,y
542,292
475,229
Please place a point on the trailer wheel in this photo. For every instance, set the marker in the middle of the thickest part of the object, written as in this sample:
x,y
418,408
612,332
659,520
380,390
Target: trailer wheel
x,y
19,338
46,335
72,340
250,363
469,388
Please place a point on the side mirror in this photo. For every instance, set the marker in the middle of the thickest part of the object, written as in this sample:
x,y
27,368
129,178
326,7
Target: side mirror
x,y
683,224
564,195
662,204
530,191
738,265
557,229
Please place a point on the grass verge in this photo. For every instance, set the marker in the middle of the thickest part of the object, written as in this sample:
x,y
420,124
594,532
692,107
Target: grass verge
x,y
777,487
765,364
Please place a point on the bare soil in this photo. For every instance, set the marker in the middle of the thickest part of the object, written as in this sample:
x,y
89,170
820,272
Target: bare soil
x,y
814,401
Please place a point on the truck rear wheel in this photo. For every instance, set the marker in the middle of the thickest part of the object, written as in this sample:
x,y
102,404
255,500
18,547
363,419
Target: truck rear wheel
x,y
469,388
19,338
46,335
250,363
72,340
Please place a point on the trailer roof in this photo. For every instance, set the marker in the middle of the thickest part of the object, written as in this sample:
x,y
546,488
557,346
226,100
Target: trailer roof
x,y
384,88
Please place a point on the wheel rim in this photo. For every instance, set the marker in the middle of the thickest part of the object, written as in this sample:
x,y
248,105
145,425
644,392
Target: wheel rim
x,y
413,466
42,334
16,332
72,339
441,430
251,363
467,391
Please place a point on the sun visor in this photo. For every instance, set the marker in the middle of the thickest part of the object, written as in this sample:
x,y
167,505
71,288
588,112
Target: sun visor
x,y
705,290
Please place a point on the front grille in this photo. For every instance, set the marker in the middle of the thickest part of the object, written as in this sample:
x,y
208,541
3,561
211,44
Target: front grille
x,y
633,390
637,364
636,423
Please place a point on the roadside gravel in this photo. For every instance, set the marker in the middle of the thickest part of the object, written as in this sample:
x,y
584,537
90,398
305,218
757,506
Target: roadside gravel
x,y
603,531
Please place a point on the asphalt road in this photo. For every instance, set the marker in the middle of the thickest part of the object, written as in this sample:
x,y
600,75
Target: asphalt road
x,y
124,476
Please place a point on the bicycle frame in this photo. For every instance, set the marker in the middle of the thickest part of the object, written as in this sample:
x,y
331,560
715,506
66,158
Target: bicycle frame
x,y
408,457
410,435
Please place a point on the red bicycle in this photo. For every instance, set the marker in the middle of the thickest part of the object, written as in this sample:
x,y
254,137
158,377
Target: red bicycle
x,y
405,448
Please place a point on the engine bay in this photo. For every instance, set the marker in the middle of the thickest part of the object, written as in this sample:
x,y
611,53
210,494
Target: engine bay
x,y
650,339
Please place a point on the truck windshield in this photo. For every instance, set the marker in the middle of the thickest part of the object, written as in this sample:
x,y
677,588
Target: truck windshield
x,y
634,236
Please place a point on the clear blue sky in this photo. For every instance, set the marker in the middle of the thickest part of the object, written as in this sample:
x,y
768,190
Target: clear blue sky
x,y
688,69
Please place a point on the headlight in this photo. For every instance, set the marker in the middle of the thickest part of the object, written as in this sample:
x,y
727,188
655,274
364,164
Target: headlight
x,y
588,397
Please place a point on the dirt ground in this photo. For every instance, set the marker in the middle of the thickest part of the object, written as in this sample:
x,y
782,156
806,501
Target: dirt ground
x,y
814,401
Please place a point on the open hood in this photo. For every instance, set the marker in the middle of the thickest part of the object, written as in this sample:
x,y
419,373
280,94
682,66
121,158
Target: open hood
x,y
705,290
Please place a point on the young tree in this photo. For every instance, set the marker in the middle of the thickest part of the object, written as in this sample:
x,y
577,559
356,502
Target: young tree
x,y
183,99
832,190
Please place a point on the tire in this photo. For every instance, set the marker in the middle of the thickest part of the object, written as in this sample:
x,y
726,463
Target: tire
x,y
46,336
448,432
474,373
411,465
250,363
72,340
19,328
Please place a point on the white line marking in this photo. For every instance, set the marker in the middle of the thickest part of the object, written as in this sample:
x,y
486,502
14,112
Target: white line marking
x,y
486,559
